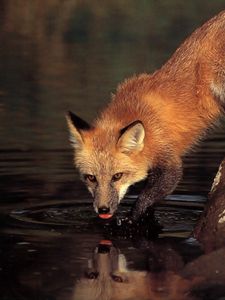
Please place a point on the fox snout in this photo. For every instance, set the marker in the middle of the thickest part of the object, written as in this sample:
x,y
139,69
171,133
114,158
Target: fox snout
x,y
106,202
104,247
104,212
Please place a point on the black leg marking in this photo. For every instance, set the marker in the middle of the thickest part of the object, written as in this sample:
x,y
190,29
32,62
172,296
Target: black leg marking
x,y
161,182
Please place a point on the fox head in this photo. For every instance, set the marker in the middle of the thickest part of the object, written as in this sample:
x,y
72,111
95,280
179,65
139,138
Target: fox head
x,y
108,158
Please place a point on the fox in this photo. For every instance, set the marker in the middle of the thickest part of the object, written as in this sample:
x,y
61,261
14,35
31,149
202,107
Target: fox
x,y
151,123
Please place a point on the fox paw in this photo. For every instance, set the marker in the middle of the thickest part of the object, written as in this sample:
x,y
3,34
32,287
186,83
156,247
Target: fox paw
x,y
146,226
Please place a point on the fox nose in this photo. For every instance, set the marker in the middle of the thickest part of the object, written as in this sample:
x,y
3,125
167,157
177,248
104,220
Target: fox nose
x,y
103,210
103,249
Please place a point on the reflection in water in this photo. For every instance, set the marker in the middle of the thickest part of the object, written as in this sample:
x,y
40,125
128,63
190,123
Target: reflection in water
x,y
109,277
43,264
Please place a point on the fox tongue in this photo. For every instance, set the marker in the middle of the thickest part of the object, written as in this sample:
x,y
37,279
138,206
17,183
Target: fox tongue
x,y
105,216
105,242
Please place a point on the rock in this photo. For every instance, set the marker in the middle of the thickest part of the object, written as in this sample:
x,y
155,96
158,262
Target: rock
x,y
208,275
210,229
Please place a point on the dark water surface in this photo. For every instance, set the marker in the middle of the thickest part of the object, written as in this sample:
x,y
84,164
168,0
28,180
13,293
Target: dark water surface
x,y
70,55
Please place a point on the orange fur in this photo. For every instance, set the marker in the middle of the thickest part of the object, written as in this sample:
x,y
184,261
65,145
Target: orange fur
x,y
175,105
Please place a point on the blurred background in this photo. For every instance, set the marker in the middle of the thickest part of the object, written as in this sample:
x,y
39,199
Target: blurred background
x,y
59,55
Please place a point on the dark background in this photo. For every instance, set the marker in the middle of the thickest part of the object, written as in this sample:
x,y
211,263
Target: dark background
x,y
70,55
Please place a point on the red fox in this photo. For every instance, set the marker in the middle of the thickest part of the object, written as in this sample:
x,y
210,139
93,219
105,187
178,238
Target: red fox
x,y
151,123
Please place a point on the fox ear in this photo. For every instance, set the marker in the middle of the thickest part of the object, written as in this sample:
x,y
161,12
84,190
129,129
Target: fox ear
x,y
76,126
132,137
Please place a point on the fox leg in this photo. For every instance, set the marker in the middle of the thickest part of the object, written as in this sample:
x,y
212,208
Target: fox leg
x,y
161,181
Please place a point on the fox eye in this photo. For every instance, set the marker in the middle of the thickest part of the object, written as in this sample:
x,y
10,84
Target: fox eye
x,y
117,176
117,278
91,275
90,177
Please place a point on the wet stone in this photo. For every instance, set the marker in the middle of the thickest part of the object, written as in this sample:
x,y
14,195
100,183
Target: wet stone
x,y
210,230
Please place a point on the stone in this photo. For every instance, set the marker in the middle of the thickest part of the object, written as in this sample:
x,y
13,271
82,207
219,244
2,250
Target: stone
x,y
210,229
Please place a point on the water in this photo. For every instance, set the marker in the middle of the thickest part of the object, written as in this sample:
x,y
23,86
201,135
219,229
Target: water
x,y
58,56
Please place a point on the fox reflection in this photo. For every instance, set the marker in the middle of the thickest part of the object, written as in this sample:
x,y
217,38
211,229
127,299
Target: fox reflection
x,y
109,278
